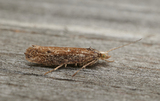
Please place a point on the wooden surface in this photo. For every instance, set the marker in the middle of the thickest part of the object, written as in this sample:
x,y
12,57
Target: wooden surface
x,y
134,76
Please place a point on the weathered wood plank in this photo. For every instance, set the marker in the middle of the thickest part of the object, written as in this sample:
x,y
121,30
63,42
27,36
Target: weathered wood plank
x,y
135,74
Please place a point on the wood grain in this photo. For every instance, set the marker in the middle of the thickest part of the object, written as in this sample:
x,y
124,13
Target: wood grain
x,y
135,74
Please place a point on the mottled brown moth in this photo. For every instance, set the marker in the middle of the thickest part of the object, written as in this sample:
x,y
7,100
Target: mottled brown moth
x,y
60,56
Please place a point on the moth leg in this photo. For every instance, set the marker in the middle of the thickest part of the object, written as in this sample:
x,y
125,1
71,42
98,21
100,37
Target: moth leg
x,y
54,69
92,63
84,67
65,65
109,60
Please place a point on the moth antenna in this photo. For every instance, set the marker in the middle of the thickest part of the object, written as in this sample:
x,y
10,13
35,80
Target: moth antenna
x,y
122,46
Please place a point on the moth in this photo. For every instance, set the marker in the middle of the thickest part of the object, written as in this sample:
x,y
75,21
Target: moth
x,y
60,56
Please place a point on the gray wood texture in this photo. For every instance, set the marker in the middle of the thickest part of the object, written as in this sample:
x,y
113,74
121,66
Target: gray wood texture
x,y
100,24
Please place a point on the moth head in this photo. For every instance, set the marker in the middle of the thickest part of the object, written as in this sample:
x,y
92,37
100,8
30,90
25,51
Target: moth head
x,y
104,55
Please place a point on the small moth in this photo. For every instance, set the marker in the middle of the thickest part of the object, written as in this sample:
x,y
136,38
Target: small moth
x,y
60,56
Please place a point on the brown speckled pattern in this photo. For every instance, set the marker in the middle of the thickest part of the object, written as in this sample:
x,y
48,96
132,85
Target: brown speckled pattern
x,y
60,55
